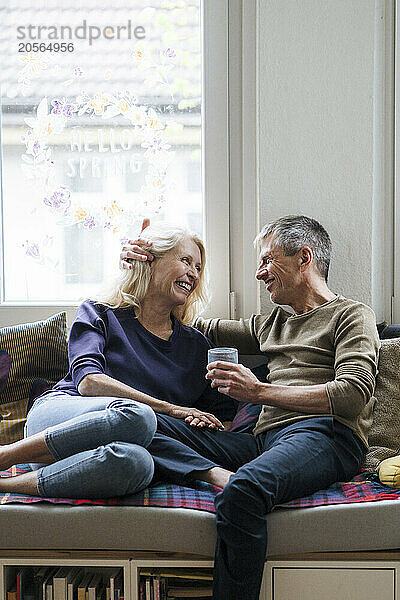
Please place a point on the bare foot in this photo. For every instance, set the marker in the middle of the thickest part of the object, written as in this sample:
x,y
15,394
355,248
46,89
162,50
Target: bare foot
x,y
26,483
5,458
217,476
31,449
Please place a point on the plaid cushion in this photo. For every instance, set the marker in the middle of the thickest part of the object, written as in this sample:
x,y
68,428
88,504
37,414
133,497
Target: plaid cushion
x,y
27,353
245,418
365,487
247,414
199,496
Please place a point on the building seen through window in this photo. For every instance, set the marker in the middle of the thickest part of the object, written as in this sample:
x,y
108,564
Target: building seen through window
x,y
100,127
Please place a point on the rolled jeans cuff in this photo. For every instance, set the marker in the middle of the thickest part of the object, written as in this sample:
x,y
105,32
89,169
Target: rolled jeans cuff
x,y
49,443
40,483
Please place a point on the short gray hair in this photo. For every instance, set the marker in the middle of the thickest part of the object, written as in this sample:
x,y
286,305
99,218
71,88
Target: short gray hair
x,y
296,231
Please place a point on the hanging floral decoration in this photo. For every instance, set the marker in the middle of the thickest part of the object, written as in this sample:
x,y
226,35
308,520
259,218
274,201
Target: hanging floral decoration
x,y
39,165
51,119
54,115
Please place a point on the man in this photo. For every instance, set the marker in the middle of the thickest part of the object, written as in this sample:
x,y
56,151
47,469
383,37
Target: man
x,y
316,406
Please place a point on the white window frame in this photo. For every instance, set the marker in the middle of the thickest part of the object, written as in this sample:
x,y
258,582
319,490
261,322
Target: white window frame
x,y
384,165
215,129
396,208
218,44
243,115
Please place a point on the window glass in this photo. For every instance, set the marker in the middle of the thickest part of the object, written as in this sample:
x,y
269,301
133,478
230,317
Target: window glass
x,y
101,126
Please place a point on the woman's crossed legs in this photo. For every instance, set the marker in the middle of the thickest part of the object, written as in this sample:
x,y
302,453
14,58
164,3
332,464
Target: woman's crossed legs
x,y
83,447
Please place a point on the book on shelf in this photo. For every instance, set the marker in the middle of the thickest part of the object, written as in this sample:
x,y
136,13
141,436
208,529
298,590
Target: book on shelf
x,y
25,583
163,588
152,589
12,594
156,588
148,588
142,591
116,584
74,579
82,586
178,573
39,577
19,584
60,579
95,587
49,590
189,592
47,585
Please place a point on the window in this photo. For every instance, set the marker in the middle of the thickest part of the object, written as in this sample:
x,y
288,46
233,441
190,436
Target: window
x,y
104,116
391,181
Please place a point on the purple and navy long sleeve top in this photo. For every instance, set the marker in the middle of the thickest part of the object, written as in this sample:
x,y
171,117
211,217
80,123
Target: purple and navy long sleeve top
x,y
113,342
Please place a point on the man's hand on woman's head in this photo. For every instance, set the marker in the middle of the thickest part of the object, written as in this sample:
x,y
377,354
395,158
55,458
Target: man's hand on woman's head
x,y
133,249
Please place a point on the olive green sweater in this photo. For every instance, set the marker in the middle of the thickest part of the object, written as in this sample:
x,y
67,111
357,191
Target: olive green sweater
x,y
336,343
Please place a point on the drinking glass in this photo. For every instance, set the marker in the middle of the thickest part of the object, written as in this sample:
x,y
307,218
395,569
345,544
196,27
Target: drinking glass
x,y
225,354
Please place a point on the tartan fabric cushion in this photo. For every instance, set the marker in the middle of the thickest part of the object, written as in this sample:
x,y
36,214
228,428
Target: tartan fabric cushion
x,y
364,487
246,418
27,353
247,414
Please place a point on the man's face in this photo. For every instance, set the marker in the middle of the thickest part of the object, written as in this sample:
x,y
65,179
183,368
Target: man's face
x,y
281,274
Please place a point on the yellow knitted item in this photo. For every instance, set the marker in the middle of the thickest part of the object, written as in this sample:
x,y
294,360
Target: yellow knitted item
x,y
389,471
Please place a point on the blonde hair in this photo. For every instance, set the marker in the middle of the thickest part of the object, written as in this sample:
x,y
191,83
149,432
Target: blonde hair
x,y
131,287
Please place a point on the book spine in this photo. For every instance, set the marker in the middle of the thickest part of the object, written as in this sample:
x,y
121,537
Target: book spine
x,y
38,587
163,590
156,586
142,591
60,588
49,591
81,593
115,586
148,588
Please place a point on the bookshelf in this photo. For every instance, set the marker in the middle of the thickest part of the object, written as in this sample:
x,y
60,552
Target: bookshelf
x,y
90,571
189,571
304,577
132,567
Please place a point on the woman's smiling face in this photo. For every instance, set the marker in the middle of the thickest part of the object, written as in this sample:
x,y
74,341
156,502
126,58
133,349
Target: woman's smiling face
x,y
176,274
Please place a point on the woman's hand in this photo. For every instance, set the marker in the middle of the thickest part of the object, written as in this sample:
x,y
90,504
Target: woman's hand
x,y
195,417
133,249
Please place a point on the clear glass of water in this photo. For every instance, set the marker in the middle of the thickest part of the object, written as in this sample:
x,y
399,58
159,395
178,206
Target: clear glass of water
x,y
225,354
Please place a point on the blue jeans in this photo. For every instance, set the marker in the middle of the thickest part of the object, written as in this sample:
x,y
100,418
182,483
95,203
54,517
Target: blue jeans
x,y
98,443
270,468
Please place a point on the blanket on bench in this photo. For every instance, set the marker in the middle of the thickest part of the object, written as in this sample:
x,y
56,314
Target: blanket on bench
x,y
365,487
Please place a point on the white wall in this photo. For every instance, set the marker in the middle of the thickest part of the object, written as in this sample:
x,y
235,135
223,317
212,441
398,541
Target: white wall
x,y
322,132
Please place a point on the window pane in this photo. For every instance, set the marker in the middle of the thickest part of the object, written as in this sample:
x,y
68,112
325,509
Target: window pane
x,y
101,126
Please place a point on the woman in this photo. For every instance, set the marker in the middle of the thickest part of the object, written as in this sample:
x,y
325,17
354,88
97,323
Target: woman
x,y
130,355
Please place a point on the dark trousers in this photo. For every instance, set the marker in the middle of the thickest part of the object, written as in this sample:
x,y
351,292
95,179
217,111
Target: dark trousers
x,y
271,468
